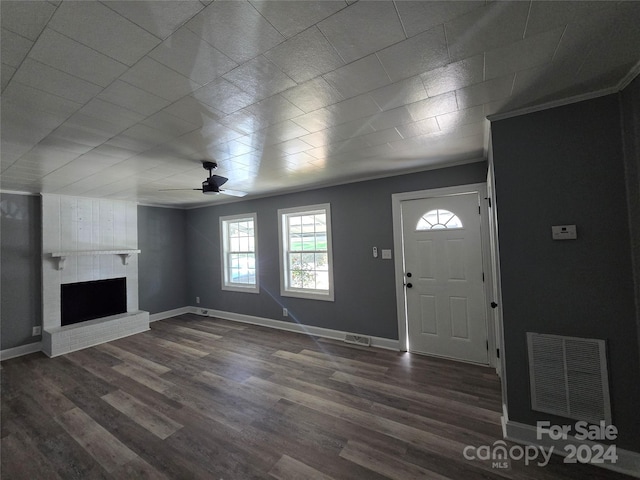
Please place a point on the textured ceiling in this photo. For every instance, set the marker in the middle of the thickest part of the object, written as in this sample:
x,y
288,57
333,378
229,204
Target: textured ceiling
x,y
122,99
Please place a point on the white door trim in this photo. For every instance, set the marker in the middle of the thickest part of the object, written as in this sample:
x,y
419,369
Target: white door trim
x,y
501,363
396,200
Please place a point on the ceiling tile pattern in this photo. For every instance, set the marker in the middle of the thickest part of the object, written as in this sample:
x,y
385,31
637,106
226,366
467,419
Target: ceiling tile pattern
x,y
305,56
123,99
205,65
67,55
363,28
162,20
235,28
100,28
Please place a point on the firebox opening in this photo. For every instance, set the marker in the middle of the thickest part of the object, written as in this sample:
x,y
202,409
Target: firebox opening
x,y
89,300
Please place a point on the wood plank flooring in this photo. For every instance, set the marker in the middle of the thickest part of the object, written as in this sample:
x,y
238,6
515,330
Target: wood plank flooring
x,y
203,398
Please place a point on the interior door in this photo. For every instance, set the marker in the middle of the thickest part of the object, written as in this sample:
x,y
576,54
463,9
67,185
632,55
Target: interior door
x,y
444,288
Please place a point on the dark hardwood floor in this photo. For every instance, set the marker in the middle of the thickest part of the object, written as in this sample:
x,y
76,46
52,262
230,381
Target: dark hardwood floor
x,y
204,398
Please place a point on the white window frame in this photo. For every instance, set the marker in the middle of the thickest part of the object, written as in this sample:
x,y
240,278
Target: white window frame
x,y
283,236
226,284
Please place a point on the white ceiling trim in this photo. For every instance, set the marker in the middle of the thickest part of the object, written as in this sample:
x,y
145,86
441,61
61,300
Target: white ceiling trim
x,y
334,184
555,103
16,192
629,77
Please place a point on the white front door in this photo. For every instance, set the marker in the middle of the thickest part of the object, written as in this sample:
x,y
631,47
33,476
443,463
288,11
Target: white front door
x,y
444,289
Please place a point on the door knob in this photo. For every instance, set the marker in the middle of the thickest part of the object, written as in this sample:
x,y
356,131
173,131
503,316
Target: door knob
x,y
409,285
409,274
494,304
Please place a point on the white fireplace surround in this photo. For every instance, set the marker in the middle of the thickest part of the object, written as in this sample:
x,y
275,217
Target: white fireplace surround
x,y
85,239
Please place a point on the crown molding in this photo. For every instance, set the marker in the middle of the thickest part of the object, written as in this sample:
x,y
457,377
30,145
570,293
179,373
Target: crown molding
x,y
18,192
423,168
629,77
621,85
553,104
157,205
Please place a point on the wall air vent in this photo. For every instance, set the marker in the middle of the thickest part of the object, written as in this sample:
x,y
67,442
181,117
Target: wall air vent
x,y
357,339
568,377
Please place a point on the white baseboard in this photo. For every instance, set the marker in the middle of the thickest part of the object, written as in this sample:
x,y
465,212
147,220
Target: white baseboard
x,y
379,342
21,350
154,317
628,462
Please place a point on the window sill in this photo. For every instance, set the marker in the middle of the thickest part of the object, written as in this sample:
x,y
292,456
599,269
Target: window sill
x,y
233,288
326,297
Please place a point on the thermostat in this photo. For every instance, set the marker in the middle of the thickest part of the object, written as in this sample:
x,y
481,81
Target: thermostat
x,y
564,232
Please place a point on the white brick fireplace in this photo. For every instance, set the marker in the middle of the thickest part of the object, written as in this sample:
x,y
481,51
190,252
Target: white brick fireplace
x,y
85,239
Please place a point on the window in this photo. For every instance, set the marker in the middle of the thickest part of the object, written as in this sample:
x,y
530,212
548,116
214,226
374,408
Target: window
x,y
239,256
305,252
438,219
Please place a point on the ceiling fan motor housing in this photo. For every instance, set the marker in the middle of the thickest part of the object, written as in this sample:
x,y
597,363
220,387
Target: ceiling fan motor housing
x,y
210,188
207,165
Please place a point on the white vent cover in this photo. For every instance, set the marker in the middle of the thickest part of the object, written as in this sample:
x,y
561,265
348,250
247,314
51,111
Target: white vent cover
x,y
357,339
569,377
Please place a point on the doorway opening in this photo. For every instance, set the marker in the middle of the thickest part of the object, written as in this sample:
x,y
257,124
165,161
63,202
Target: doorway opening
x,y
443,274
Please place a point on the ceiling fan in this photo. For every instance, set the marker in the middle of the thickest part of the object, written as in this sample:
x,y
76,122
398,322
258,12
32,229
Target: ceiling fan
x,y
211,185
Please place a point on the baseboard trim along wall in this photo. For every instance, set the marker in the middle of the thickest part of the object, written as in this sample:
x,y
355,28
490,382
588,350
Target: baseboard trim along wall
x,y
378,342
154,317
21,350
628,462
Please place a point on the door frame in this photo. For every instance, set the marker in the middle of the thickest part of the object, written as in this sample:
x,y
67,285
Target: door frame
x,y
396,202
501,362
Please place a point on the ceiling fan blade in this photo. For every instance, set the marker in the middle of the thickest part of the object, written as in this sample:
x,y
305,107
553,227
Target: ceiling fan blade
x,y
234,193
211,185
217,180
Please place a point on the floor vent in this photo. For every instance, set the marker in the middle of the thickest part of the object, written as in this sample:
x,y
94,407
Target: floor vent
x,y
569,377
357,339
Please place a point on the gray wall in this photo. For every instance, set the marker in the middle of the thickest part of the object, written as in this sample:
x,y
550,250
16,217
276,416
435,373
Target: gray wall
x,y
630,105
162,274
566,166
21,269
161,268
365,300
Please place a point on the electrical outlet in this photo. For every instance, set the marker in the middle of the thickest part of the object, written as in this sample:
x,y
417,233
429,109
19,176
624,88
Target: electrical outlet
x,y
35,331
197,299
204,312
285,312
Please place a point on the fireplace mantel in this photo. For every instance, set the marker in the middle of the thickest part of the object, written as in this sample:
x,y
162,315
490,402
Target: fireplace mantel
x,y
124,253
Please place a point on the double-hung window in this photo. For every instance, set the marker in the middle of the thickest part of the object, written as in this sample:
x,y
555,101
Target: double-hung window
x,y
306,265
239,253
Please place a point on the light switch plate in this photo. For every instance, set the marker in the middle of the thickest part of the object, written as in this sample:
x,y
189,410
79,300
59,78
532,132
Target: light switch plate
x,y
564,232
386,253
